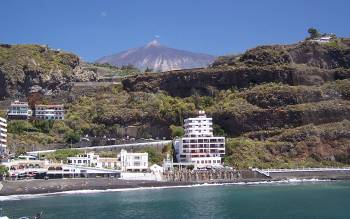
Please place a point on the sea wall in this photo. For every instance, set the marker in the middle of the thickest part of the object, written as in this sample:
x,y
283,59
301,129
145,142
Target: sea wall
x,y
213,175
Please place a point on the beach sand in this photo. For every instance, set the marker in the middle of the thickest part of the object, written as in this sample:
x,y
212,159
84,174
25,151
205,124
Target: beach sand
x,y
37,186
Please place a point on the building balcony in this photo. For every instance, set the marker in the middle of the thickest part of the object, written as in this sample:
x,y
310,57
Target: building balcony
x,y
207,146
207,151
18,113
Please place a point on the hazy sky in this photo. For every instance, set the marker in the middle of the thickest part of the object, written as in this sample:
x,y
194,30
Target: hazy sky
x,y
96,28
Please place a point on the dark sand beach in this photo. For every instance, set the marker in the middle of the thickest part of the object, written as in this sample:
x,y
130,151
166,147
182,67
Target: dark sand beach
x,y
36,186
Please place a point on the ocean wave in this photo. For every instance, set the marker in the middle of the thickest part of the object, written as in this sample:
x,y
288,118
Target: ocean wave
x,y
92,191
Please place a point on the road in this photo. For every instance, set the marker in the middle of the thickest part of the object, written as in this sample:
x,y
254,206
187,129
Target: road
x,y
131,145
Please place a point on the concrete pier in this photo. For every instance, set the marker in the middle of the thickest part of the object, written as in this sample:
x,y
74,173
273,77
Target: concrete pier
x,y
329,173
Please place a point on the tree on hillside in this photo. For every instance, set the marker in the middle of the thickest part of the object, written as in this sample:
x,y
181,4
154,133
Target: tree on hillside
x,y
3,170
149,70
154,156
62,154
177,131
72,137
313,33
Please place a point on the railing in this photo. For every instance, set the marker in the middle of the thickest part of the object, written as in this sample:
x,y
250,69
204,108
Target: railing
x,y
304,169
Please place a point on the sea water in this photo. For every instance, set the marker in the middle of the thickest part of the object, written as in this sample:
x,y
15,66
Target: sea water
x,y
279,200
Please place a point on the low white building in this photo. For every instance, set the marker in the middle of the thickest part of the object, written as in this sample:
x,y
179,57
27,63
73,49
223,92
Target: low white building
x,y
93,160
108,163
87,159
155,168
3,135
19,110
133,161
323,39
49,112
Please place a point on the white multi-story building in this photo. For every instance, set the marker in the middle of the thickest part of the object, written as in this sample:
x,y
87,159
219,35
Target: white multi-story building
x,y
3,135
19,110
199,146
49,112
133,161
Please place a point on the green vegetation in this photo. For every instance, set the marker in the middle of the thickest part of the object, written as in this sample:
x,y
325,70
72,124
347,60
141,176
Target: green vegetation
x,y
157,155
61,154
177,131
20,151
20,126
305,146
218,131
72,137
107,154
3,170
148,70
25,135
106,70
154,156
44,58
313,33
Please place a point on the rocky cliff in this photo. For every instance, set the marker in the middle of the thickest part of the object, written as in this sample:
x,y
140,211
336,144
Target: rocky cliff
x,y
306,63
35,68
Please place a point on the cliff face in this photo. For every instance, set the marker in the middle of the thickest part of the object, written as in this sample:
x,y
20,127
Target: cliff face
x,y
34,68
301,64
335,54
208,81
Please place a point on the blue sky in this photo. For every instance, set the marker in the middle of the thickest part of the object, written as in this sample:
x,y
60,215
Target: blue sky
x,y
96,28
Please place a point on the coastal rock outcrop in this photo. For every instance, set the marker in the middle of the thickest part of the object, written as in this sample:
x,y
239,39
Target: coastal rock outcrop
x,y
36,68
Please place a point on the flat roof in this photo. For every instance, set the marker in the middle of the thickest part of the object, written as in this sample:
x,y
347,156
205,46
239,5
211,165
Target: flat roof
x,y
53,105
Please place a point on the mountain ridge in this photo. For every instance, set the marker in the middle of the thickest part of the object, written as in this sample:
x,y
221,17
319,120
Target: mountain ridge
x,y
158,57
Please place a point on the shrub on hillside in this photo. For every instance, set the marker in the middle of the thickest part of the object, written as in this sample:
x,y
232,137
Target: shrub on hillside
x,y
62,154
72,137
176,131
